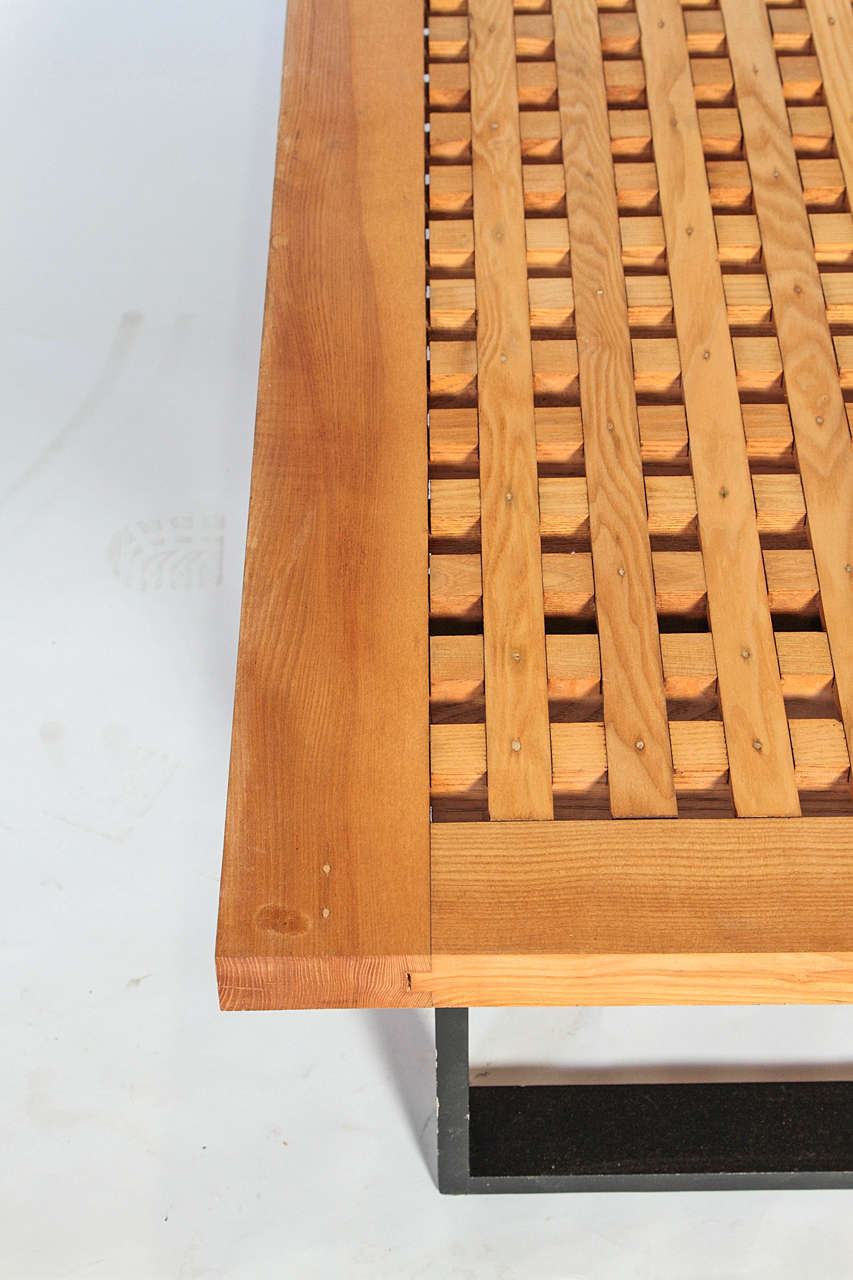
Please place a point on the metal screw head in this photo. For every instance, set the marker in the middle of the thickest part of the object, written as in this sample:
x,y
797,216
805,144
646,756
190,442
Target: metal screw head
x,y
503,358
819,420
758,746
688,231
848,568
326,868
745,653
515,744
508,496
325,913
640,745
706,355
611,426
798,288
724,493
621,571
516,656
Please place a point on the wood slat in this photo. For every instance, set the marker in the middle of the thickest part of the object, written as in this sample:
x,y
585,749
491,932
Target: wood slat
x,y
640,776
701,763
516,682
832,26
689,668
325,877
544,190
630,134
820,423
643,244
753,709
559,437
456,587
669,508
643,887
594,978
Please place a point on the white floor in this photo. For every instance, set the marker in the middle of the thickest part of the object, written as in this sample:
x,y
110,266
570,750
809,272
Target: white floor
x,y
144,1134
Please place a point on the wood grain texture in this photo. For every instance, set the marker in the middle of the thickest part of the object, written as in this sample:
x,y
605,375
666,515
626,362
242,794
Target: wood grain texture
x,y
646,886
513,618
319,982
668,501
638,749
814,395
580,761
832,32
762,777
456,591
574,668
606,979
326,846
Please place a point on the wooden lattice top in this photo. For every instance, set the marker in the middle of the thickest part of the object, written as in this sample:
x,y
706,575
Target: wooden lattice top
x,y
545,685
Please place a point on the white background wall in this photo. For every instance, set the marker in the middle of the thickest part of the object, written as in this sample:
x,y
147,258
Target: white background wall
x,y
144,1135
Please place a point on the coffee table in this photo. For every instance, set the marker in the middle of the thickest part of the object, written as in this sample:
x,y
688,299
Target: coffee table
x,y
545,679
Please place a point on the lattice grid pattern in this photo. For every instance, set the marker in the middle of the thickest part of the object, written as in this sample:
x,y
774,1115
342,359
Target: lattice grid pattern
x,y
637,383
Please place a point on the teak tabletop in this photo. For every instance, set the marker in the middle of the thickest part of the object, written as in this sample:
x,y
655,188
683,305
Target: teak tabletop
x,y
545,680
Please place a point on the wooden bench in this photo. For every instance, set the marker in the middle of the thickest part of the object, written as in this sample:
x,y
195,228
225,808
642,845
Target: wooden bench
x,y
545,679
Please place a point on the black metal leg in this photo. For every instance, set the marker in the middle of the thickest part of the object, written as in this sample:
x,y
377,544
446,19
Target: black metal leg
x,y
634,1137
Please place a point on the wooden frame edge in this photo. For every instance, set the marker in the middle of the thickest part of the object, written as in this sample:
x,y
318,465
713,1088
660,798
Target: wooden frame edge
x,y
460,981
319,982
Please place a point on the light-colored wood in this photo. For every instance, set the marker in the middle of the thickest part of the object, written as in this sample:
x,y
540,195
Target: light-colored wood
x,y
630,134
811,130
513,619
580,760
832,31
638,748
643,245
643,887
794,977
544,190
574,667
669,506
762,776
791,30
663,435
319,982
811,378
456,587
657,370
337,529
